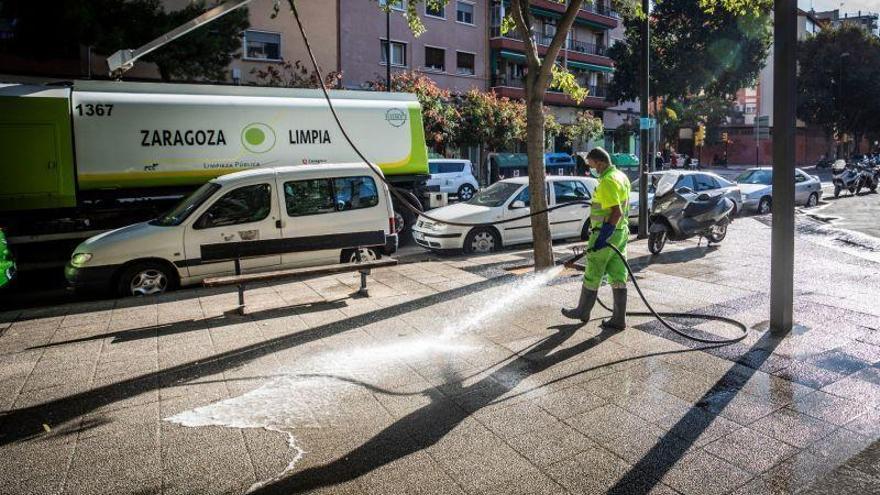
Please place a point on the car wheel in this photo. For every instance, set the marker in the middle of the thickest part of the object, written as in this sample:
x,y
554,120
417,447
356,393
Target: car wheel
x,y
147,278
482,240
367,254
813,200
466,192
585,231
765,205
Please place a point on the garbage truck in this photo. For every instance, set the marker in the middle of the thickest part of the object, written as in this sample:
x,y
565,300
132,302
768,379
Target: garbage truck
x,y
88,156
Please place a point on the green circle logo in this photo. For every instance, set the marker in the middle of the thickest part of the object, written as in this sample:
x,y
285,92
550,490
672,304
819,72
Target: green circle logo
x,y
258,137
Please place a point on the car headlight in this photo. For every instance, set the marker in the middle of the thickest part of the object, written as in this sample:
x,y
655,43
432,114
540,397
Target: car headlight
x,y
80,259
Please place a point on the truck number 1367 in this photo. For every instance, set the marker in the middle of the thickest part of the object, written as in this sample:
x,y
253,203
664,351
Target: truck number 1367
x,y
97,109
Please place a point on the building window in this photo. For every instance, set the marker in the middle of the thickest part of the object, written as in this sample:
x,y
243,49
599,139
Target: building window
x,y
464,63
435,11
435,59
260,45
398,53
464,12
395,4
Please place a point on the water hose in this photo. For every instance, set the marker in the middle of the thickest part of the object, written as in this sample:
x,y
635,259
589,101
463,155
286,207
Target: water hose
x,y
659,315
406,202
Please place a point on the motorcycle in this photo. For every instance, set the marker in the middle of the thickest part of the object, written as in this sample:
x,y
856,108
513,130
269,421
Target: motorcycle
x,y
869,177
845,176
679,214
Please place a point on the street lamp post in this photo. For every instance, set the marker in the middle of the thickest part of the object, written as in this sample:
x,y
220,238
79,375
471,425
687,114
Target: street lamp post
x,y
645,132
387,47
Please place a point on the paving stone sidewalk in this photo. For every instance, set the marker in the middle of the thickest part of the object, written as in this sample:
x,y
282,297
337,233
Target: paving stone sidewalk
x,y
455,376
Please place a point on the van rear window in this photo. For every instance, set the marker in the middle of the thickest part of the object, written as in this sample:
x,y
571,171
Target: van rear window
x,y
317,196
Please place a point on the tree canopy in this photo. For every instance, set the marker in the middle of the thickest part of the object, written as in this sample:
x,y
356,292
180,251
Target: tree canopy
x,y
837,81
110,25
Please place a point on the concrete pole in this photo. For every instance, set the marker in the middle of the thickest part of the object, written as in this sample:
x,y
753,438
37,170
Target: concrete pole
x,y
784,122
645,134
388,47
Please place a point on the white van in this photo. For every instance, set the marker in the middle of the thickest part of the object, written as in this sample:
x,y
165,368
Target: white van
x,y
307,202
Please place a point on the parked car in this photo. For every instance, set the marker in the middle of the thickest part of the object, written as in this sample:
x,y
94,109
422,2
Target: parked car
x,y
697,181
453,177
302,202
756,185
506,199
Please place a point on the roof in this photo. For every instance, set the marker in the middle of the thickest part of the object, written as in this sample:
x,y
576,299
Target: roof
x,y
324,168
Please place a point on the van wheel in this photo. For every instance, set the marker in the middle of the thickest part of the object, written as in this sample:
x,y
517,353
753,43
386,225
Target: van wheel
x,y
367,254
482,240
466,192
146,278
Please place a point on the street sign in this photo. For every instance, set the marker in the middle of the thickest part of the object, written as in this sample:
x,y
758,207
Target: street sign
x,y
647,123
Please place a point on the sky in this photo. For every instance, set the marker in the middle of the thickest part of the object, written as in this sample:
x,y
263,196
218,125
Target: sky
x,y
848,6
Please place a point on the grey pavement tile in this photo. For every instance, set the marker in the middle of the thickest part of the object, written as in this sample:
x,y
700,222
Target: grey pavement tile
x,y
415,474
517,419
592,471
750,450
701,473
846,479
568,402
607,423
838,361
808,375
854,389
867,424
840,446
830,408
792,427
550,444
795,474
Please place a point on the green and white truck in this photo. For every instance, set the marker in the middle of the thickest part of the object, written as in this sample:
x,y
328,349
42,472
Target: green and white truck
x,y
89,156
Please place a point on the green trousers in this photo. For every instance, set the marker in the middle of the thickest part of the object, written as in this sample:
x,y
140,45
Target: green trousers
x,y
606,262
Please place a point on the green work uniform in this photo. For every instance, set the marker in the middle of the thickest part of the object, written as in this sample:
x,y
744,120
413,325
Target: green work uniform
x,y
613,190
7,264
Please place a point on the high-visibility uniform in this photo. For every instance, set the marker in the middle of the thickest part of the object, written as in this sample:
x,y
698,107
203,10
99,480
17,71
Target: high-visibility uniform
x,y
613,189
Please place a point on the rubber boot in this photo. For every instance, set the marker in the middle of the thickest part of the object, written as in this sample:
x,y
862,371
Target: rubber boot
x,y
584,307
618,316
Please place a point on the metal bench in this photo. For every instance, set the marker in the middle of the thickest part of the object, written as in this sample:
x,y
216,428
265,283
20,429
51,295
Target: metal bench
x,y
236,251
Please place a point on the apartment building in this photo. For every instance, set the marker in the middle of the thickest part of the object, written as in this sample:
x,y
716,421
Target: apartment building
x,y
584,54
452,51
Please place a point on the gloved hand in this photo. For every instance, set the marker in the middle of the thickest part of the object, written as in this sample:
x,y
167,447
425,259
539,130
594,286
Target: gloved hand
x,y
604,234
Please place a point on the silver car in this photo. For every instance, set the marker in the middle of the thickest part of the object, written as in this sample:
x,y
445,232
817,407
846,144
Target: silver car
x,y
697,181
757,189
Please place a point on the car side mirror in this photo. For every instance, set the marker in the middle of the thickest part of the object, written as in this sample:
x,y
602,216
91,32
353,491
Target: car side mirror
x,y
517,204
684,190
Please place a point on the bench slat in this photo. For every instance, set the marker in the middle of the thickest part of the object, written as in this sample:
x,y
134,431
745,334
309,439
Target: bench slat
x,y
308,272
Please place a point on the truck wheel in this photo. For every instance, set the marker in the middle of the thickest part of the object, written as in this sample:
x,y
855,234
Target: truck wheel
x,y
405,219
146,278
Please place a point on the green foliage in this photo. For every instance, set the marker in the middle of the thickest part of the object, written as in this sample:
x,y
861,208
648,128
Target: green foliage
x,y
837,81
440,117
586,127
294,75
565,81
489,120
714,47
111,25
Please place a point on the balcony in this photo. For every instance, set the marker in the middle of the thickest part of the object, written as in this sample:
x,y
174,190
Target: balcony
x,y
600,8
596,12
545,40
514,87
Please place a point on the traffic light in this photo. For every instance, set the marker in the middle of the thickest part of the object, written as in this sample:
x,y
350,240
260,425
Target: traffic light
x,y
724,137
700,135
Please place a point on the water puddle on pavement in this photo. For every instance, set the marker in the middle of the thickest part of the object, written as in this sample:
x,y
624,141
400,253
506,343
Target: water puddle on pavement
x,y
849,241
313,393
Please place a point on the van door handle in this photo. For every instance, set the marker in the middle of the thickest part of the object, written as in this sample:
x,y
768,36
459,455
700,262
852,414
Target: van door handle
x,y
277,224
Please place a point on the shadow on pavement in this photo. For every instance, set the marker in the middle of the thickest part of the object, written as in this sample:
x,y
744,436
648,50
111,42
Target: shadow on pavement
x,y
24,423
682,436
179,327
424,427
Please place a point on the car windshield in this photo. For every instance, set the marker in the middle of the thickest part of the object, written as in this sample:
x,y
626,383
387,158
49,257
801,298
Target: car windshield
x,y
186,206
763,177
495,195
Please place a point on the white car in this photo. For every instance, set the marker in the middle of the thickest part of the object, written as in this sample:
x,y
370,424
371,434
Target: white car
x,y
696,181
756,185
300,205
507,199
453,177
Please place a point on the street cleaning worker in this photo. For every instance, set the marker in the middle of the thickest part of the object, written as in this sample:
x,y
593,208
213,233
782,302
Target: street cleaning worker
x,y
610,226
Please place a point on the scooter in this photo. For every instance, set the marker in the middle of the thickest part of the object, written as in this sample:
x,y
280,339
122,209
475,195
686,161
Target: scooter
x,y
869,177
845,177
679,214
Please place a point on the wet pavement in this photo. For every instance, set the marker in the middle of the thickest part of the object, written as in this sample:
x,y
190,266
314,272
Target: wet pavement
x,y
457,376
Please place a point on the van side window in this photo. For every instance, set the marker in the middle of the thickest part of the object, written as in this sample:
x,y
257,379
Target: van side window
x,y
316,196
308,197
243,205
353,193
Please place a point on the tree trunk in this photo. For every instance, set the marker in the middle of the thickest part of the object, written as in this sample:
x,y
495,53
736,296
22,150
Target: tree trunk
x,y
537,184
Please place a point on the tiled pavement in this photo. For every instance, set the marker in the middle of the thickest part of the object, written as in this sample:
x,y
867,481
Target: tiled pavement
x,y
454,377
